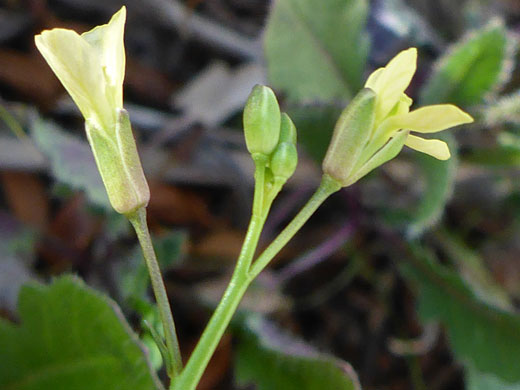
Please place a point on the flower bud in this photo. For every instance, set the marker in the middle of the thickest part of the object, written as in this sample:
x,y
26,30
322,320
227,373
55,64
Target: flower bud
x,y
284,161
118,162
262,121
351,133
287,130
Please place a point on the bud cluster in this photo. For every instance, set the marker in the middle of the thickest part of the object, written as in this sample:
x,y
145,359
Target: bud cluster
x,y
270,137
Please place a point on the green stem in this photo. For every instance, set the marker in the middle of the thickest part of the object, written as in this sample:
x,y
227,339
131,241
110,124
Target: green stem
x,y
243,276
271,195
223,314
138,220
327,187
238,285
258,200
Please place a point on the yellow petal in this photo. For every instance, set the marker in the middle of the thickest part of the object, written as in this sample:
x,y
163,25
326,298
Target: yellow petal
x,y
108,41
431,119
78,68
406,100
372,79
402,107
391,82
433,147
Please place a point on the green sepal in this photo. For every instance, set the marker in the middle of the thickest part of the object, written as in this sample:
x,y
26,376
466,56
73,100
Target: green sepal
x,y
131,160
385,154
119,165
351,134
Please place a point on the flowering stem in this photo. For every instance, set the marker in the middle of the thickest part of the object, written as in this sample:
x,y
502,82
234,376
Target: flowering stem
x,y
138,220
243,276
327,187
223,314
258,200
238,285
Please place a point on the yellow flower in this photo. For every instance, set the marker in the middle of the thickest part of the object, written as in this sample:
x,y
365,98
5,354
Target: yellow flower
x,y
392,106
91,67
384,109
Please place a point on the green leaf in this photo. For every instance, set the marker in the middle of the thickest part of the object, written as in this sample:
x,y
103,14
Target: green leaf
x,y
473,270
477,65
71,161
505,154
485,336
476,380
498,157
71,337
440,179
473,68
317,49
273,360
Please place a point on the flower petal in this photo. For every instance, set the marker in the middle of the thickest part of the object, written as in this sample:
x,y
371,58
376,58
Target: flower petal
x,y
431,119
108,41
406,100
402,107
391,82
433,147
372,79
77,66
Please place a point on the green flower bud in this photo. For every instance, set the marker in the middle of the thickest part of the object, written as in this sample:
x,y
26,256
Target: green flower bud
x,y
118,162
287,130
262,121
284,161
351,133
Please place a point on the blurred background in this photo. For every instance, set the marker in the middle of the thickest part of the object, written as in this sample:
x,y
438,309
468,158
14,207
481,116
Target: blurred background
x,y
412,276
